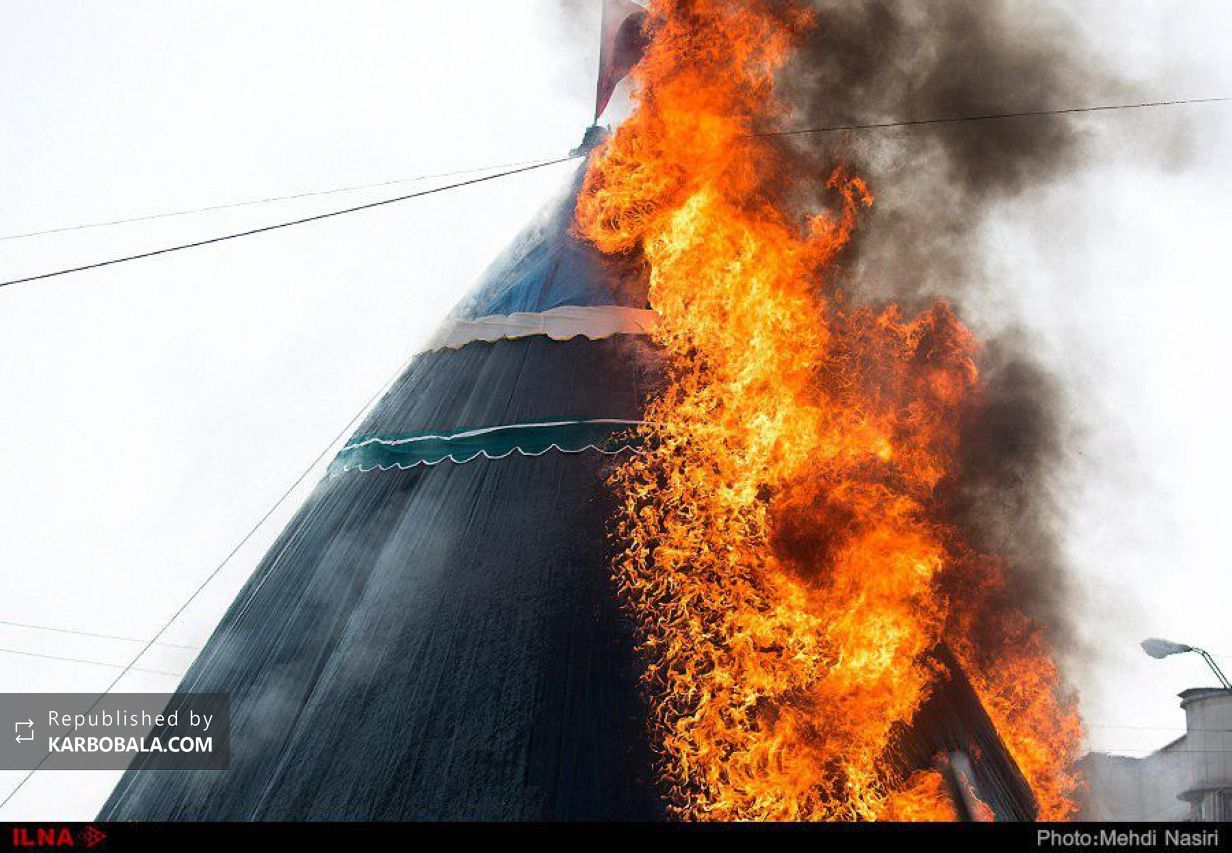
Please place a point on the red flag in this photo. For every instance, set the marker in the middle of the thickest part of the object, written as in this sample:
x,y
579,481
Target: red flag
x,y
621,42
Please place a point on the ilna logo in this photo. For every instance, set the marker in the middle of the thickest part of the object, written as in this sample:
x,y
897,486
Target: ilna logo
x,y
26,837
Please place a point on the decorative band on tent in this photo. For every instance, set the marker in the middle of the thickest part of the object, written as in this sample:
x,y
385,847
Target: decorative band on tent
x,y
605,435
561,324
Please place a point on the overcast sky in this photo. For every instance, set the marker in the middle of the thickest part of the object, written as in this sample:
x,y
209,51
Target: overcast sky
x,y
153,411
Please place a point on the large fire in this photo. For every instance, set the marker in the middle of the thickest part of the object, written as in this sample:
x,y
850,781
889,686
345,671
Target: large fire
x,y
783,550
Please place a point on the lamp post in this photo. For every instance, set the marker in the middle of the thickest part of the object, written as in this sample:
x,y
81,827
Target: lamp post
x,y
1160,649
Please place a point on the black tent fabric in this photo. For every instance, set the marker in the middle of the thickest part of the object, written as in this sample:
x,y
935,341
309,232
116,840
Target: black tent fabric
x,y
425,644
952,720
444,642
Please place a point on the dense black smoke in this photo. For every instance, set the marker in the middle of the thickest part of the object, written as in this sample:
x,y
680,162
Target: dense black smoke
x,y
1004,494
890,60
870,61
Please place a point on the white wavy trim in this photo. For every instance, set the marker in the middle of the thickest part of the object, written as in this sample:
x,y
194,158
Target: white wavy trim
x,y
450,458
470,433
560,324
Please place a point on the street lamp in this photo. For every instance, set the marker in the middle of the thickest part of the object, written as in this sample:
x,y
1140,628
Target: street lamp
x,y
1160,649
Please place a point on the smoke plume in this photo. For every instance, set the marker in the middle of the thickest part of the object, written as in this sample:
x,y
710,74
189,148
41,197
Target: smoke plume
x,y
891,60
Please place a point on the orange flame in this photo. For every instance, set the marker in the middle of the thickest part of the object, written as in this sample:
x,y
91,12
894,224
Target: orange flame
x,y
922,798
781,552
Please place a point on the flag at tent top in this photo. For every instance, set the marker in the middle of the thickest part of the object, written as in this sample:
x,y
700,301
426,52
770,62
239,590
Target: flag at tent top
x,y
621,42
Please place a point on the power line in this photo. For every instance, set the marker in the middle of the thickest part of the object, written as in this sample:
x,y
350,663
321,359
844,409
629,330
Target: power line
x,y
268,200
91,662
1151,728
989,117
541,164
1164,751
90,634
131,666
263,229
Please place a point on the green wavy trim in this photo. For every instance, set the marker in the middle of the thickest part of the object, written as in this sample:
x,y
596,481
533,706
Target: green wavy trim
x,y
368,453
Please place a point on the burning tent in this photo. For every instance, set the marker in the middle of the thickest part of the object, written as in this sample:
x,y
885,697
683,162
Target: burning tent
x,y
655,528
437,634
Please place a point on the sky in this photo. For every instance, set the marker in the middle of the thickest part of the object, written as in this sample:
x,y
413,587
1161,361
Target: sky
x,y
153,411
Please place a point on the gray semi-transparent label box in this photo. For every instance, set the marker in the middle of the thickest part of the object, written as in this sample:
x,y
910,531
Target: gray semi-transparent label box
x,y
137,731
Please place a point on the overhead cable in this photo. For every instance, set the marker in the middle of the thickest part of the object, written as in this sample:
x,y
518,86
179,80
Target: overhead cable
x,y
989,116
287,224
255,201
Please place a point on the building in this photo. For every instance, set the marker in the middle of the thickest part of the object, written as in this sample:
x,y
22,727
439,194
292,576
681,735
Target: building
x,y
1189,779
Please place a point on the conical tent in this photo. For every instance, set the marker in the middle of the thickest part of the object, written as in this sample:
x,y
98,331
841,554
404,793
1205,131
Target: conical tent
x,y
436,633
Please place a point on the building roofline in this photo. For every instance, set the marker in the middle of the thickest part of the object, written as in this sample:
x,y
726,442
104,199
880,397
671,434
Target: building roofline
x,y
1197,694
